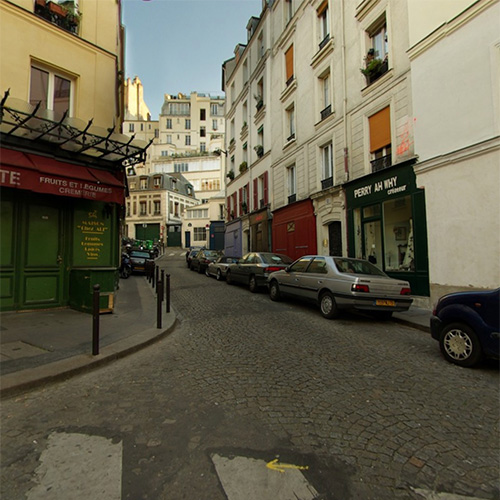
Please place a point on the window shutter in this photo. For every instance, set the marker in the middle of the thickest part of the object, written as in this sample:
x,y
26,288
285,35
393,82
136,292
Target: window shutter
x,y
266,179
380,129
321,9
229,208
240,210
289,63
248,196
255,194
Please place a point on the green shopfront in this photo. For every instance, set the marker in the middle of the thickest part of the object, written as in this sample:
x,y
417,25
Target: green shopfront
x,y
387,224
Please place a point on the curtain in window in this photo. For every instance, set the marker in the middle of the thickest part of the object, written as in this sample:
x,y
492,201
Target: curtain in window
x,y
380,129
289,63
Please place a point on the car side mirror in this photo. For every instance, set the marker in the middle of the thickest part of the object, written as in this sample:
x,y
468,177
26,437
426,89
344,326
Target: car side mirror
x,y
287,269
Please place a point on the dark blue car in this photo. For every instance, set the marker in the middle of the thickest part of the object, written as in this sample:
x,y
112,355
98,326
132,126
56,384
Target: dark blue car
x,y
466,324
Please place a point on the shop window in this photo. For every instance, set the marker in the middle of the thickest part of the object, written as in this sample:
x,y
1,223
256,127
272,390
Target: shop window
x,y
53,91
380,139
398,235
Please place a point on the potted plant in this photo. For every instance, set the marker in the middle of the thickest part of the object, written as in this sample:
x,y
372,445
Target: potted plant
x,y
259,150
230,175
260,101
374,66
243,166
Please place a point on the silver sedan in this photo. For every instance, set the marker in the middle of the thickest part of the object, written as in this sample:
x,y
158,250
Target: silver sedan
x,y
337,283
219,267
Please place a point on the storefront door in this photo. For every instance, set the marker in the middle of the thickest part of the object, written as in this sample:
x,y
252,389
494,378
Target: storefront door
x,y
372,243
33,253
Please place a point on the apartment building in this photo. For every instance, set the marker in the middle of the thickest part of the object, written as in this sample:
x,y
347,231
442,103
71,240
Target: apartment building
x,y
186,145
338,175
155,206
455,66
62,161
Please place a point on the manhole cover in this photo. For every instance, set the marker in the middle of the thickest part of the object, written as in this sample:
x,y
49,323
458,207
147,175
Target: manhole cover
x,y
17,350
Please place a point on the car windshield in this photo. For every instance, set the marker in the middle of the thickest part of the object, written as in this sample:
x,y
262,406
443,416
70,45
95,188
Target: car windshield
x,y
140,255
357,266
211,253
274,258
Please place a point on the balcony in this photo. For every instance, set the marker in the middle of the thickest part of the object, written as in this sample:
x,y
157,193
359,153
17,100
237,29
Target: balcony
x,y
375,69
326,112
324,41
327,183
381,163
66,16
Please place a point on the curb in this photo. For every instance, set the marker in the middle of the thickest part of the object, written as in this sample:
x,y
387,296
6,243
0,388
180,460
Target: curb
x,y
22,381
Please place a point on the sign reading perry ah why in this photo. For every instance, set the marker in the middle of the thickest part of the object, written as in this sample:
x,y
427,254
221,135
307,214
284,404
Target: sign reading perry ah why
x,y
397,182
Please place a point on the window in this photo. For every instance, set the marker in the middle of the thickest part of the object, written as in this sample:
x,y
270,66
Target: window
x,y
157,182
323,24
142,127
203,147
157,207
130,127
259,149
214,109
169,123
289,65
377,57
187,140
288,11
260,191
203,132
142,208
203,114
261,48
327,166
169,139
199,234
260,94
378,39
380,139
144,183
51,90
245,71
188,124
318,266
290,123
292,187
177,108
214,125
326,103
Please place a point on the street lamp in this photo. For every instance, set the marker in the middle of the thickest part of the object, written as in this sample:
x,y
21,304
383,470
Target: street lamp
x,y
218,152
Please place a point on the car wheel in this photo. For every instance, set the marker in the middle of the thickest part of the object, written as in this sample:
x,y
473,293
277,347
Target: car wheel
x,y
219,275
328,305
460,345
207,273
252,284
229,279
274,291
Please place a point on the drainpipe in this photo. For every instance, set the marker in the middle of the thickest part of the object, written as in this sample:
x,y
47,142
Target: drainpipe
x,y
344,91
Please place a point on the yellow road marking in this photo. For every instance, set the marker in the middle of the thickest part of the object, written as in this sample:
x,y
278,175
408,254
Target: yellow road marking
x,y
275,465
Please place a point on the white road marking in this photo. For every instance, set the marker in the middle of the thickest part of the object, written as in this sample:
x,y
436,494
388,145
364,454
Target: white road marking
x,y
250,479
79,467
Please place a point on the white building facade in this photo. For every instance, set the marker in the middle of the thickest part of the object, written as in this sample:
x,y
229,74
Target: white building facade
x,y
455,64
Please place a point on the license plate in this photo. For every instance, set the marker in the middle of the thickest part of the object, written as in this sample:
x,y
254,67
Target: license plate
x,y
390,303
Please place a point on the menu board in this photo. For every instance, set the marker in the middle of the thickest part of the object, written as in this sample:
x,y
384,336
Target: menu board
x,y
91,237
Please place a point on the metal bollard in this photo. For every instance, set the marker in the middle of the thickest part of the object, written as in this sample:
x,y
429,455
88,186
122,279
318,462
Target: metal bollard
x,y
167,291
157,269
158,303
95,319
153,270
163,281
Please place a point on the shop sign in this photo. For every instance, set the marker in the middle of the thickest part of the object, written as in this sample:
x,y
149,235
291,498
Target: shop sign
x,y
92,237
397,182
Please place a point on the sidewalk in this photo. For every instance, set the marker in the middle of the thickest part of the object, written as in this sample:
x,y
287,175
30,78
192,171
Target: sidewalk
x,y
37,347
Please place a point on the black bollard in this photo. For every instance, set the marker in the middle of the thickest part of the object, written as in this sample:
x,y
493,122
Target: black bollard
x,y
163,281
157,269
167,291
158,303
95,320
153,270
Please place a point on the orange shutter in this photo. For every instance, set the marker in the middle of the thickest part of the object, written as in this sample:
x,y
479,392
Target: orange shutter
x,y
289,63
380,129
322,7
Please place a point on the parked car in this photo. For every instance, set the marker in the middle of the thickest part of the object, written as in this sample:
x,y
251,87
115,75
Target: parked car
x,y
466,325
254,268
337,283
202,258
191,253
219,267
139,260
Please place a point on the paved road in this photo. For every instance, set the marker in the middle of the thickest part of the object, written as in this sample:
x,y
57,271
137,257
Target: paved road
x,y
248,398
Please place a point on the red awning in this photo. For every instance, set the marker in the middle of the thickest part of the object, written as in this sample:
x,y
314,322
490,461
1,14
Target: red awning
x,y
47,175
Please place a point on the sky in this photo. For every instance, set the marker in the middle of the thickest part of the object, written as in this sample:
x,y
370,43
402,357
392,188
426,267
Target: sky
x,y
180,45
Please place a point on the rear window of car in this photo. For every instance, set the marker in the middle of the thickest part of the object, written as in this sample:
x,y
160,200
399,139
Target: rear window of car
x,y
141,255
355,266
273,258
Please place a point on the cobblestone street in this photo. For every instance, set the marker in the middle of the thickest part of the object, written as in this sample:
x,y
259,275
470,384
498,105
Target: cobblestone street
x,y
369,407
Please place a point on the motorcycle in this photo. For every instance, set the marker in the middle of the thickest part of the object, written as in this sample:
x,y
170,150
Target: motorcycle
x,y
125,266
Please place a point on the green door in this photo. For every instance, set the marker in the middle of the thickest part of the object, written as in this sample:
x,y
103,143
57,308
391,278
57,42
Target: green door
x,y
32,261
